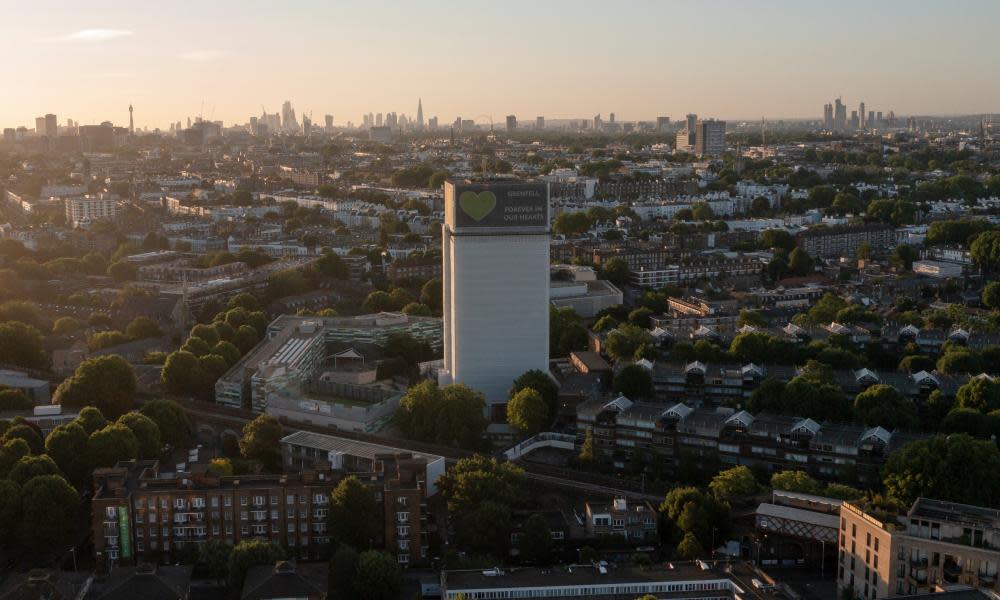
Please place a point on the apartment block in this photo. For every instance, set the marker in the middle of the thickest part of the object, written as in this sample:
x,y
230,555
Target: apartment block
x,y
935,546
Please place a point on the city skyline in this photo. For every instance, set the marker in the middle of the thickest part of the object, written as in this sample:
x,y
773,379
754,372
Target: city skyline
x,y
90,65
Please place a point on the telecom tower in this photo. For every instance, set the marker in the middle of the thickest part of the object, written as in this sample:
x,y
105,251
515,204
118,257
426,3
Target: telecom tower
x,y
131,122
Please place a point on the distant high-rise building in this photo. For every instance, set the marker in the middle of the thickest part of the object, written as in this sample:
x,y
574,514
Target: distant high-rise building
x,y
51,125
855,121
539,122
9,134
432,123
662,123
288,121
611,119
511,122
861,116
597,122
378,119
692,122
329,122
710,138
306,125
39,125
839,115
878,117
420,113
870,119
391,120
828,117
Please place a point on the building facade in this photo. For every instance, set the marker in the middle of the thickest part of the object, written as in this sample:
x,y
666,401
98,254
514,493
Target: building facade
x,y
495,244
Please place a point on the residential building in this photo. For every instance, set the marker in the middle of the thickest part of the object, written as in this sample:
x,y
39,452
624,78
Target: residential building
x,y
634,522
710,138
844,240
495,245
934,546
81,211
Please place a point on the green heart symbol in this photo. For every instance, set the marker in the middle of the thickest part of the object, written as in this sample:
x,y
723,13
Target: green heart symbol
x,y
478,205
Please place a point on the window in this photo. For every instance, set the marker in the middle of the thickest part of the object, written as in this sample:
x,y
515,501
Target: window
x,y
111,512
854,530
215,502
868,541
243,500
290,499
876,544
402,500
291,528
274,500
228,501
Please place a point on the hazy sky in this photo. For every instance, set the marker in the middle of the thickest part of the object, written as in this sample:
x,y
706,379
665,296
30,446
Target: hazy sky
x,y
723,58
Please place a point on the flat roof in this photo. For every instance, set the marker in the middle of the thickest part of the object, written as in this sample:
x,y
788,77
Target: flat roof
x,y
797,514
366,450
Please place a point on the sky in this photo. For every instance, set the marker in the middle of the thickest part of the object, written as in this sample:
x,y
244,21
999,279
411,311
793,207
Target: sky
x,y
732,59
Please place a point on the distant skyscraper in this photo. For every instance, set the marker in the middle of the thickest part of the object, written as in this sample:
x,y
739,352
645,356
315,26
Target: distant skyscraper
x,y
710,138
51,125
855,121
131,120
432,123
378,120
306,125
692,122
861,116
539,122
870,119
828,116
420,113
597,122
839,115
511,122
662,123
39,125
288,121
878,117
329,122
611,118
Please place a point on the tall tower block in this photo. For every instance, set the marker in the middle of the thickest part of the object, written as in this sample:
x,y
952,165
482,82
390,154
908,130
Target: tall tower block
x,y
495,243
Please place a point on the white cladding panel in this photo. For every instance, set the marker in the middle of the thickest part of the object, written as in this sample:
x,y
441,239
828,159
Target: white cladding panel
x,y
496,309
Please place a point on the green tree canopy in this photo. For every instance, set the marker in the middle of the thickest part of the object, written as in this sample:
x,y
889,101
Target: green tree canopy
x,y
735,484
113,443
106,382
354,517
48,513
146,432
378,576
527,412
171,420
954,468
634,382
882,405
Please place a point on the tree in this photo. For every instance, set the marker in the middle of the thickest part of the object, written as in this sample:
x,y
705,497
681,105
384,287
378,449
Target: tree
x,y
958,361
621,343
640,316
114,443
67,445
527,412
737,484
542,383
66,326
11,399
379,301
332,266
143,327
90,419
915,363
106,382
479,479
991,295
29,432
882,405
690,548
123,271
701,211
213,556
980,393
795,481
10,508
617,271
799,262
343,570
566,332
953,468
902,256
229,352
247,554
180,372
48,513
485,531
245,338
452,415
378,576
417,309
21,345
146,432
354,516
571,223
431,294
261,442
634,382
29,467
171,421
536,540
985,250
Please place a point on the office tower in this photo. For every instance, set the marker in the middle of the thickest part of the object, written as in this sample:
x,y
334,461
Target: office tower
x,y
391,120
828,116
511,122
692,122
839,115
878,117
9,134
870,120
288,121
432,123
378,120
306,125
662,123
855,121
50,125
329,122
495,243
39,125
710,138
539,122
611,118
420,113
861,116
